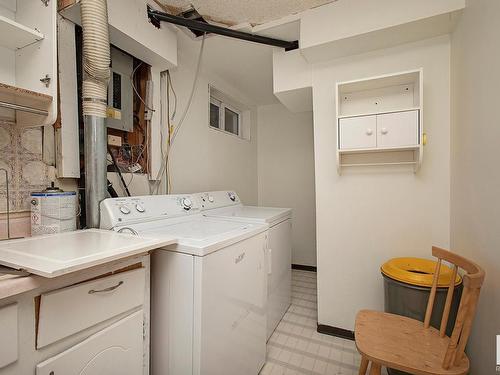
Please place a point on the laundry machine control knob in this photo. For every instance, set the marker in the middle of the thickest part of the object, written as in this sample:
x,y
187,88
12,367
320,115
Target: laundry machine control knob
x,y
211,199
186,203
124,210
139,208
231,196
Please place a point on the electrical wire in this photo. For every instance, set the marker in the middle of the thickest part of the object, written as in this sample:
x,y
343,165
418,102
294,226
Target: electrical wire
x,y
169,84
135,89
166,159
190,100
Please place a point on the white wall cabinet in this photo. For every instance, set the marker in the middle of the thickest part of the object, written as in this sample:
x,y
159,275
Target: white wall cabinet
x,y
379,121
389,130
28,61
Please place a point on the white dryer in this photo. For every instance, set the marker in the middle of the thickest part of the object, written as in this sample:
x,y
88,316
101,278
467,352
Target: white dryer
x,y
227,205
208,291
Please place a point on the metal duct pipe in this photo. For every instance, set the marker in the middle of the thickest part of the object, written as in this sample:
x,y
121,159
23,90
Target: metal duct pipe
x,y
95,167
96,61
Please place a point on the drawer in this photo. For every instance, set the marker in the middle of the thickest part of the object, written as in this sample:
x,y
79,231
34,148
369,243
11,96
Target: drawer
x,y
8,328
116,350
397,129
66,311
358,132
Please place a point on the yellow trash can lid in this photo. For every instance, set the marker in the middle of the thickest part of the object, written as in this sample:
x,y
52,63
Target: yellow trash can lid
x,y
417,271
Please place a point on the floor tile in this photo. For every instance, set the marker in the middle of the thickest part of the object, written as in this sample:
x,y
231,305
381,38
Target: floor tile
x,y
296,348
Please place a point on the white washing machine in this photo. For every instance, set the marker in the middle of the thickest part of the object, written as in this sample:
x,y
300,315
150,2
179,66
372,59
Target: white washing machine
x,y
208,291
227,205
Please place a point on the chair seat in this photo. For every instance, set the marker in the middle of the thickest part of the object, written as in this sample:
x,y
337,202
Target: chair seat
x,y
403,344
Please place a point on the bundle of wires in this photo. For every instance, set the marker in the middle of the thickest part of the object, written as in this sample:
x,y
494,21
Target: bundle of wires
x,y
172,130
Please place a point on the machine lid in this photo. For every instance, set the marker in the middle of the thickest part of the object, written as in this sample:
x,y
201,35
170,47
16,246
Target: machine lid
x,y
201,235
59,254
268,215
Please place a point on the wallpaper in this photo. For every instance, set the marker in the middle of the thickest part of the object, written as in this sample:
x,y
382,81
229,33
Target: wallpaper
x,y
21,155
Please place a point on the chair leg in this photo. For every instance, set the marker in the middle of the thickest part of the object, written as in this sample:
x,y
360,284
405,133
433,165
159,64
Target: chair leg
x,y
375,369
363,366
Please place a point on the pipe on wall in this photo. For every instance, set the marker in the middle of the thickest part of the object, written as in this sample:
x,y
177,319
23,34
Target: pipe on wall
x,y
96,72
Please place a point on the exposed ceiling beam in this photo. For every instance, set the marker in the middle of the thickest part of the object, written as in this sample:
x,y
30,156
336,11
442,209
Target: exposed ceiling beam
x,y
157,16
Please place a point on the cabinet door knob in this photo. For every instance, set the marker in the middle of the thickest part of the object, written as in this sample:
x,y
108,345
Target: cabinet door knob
x,y
384,131
369,132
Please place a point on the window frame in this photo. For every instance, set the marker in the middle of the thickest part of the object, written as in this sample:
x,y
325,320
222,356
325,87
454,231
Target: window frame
x,y
222,116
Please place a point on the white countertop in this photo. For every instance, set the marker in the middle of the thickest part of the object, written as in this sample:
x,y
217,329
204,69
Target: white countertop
x,y
59,254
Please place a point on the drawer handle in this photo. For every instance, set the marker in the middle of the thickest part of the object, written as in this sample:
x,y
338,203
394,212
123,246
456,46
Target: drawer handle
x,y
369,132
110,289
384,131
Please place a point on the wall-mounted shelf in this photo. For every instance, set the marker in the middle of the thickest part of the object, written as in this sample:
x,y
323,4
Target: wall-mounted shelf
x,y
378,113
379,121
30,106
14,35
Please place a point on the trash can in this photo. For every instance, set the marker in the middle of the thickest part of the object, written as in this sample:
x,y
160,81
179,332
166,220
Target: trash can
x,y
407,285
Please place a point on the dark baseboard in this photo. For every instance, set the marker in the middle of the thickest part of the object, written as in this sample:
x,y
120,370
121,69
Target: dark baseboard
x,y
336,331
303,267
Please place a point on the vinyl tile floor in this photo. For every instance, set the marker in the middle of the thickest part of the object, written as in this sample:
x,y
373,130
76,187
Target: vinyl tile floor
x,y
296,348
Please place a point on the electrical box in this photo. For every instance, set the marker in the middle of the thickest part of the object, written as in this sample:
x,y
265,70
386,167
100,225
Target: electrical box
x,y
120,114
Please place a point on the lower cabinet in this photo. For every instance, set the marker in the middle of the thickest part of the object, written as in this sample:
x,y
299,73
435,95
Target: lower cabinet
x,y
116,350
8,329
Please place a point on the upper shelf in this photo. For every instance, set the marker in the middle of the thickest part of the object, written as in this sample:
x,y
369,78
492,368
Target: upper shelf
x,y
14,36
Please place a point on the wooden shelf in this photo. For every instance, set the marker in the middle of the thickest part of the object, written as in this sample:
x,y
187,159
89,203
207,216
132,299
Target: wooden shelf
x,y
31,107
14,36
388,149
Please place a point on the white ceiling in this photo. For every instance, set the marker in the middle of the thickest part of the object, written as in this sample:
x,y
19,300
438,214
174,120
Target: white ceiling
x,y
233,12
246,66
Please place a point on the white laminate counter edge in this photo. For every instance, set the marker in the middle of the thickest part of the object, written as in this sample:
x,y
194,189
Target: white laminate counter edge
x,y
55,255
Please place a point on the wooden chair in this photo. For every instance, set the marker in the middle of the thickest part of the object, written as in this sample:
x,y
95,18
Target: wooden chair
x,y
408,345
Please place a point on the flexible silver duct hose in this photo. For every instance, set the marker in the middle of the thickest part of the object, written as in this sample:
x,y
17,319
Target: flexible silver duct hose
x,y
96,57
96,61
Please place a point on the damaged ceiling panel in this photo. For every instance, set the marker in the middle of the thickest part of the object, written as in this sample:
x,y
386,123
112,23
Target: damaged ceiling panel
x,y
234,12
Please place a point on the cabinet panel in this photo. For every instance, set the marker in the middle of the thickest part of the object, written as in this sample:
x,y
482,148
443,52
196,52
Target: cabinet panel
x,y
358,132
280,280
8,328
69,310
397,129
116,350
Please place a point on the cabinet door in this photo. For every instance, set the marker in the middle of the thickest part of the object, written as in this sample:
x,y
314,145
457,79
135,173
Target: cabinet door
x,y
8,327
116,350
397,129
357,132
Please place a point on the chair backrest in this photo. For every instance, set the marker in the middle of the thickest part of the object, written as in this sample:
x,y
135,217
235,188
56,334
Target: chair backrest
x,y
473,279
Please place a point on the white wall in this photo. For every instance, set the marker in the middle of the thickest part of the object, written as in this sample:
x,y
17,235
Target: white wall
x,y
286,173
203,158
371,214
475,183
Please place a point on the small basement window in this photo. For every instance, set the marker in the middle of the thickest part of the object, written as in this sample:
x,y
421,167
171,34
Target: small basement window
x,y
225,114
